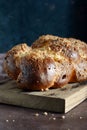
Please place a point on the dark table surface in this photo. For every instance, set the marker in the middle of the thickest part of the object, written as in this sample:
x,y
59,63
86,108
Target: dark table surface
x,y
17,118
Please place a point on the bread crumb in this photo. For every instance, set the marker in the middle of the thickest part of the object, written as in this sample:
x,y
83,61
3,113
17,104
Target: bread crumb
x,y
54,118
63,117
9,115
50,118
37,114
45,113
7,120
13,120
42,89
46,89
52,114
81,117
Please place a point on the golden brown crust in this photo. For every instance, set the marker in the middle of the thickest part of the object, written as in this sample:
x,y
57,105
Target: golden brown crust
x,y
42,73
62,46
39,73
71,48
12,57
51,61
79,46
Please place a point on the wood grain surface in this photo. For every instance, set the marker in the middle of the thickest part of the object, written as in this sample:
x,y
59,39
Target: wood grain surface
x,y
57,100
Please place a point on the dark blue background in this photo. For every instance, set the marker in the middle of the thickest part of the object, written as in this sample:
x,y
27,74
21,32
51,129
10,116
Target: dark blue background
x,y
26,20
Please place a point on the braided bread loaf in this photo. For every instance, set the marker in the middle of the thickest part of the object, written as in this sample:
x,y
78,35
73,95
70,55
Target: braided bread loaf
x,y
51,61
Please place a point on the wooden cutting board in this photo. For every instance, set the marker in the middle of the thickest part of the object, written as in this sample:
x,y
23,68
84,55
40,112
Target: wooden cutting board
x,y
56,100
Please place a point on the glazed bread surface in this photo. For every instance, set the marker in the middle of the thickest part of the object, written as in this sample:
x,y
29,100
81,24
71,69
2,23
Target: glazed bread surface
x,y
50,62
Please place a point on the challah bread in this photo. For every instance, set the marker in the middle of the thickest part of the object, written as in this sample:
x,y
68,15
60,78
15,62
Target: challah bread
x,y
51,61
